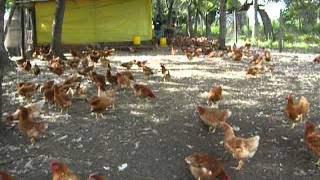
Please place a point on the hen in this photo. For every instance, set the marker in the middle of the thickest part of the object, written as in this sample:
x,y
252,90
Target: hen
x,y
47,91
61,98
34,110
127,65
6,176
312,140
147,71
295,111
36,70
56,66
27,89
240,148
112,79
123,81
98,79
203,166
215,94
143,91
100,103
61,172
34,130
316,59
95,176
213,118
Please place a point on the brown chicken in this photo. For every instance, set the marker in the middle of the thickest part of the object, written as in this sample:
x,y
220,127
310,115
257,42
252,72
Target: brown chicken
x,y
128,74
6,176
312,140
98,79
112,79
295,111
240,148
56,66
94,56
133,50
27,89
47,91
316,59
108,52
163,68
140,64
215,94
173,50
127,65
27,65
61,98
74,62
203,166
166,77
100,103
34,130
60,171
95,176
143,91
237,54
123,81
189,54
85,70
36,70
105,62
212,118
147,71
267,56
34,110
255,70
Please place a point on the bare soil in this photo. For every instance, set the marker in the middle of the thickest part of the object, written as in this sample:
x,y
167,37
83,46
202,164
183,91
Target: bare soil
x,y
152,139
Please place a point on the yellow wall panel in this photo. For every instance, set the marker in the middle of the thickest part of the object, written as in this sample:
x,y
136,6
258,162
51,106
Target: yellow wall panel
x,y
90,21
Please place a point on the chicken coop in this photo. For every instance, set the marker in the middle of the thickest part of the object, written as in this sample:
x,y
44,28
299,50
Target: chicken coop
x,y
96,21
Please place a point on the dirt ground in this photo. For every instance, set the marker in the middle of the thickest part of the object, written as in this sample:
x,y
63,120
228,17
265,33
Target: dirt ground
x,y
142,140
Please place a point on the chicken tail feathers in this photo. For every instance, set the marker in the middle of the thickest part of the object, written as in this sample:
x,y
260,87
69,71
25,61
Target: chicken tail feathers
x,y
304,104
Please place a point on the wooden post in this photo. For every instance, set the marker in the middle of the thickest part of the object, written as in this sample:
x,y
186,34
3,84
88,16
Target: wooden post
x,y
22,32
281,32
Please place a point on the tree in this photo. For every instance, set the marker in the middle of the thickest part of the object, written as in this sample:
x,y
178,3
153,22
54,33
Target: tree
x,y
255,20
4,59
223,23
56,44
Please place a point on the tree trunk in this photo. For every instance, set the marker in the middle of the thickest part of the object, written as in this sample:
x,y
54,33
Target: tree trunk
x,y
210,18
9,20
4,59
196,20
190,29
255,21
56,44
169,20
222,22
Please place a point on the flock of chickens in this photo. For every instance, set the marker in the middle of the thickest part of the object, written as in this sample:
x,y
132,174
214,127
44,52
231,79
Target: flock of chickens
x,y
83,63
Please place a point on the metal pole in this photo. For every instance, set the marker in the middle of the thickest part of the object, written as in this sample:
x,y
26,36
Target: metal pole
x,y
235,21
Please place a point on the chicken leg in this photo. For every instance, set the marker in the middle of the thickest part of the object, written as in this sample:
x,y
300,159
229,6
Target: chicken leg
x,y
241,163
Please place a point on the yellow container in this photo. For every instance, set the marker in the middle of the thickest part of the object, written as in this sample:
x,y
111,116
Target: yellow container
x,y
163,42
136,40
